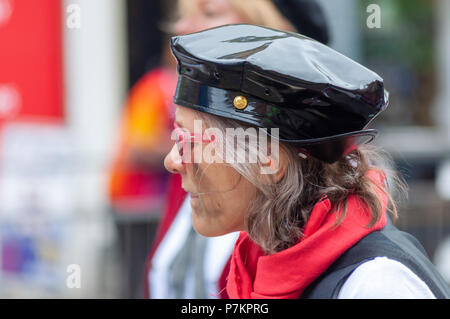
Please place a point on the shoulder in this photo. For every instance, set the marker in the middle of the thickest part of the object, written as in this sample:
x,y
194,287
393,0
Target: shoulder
x,y
383,278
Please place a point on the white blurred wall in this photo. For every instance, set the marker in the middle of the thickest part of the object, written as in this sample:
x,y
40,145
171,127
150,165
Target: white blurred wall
x,y
442,45
96,86
343,17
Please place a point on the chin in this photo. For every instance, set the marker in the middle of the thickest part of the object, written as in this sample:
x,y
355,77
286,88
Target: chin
x,y
204,228
206,231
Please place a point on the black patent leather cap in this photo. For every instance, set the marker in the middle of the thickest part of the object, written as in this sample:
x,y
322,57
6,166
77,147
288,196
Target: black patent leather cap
x,y
320,100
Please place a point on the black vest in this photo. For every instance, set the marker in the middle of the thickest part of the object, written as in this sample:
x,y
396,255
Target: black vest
x,y
388,242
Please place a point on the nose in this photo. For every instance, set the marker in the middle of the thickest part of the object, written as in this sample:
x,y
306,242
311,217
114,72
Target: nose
x,y
173,162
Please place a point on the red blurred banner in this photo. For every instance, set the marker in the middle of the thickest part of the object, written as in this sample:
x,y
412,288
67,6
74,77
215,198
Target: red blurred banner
x,y
31,76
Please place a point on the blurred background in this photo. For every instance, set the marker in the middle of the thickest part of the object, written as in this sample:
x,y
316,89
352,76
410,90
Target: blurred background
x,y
74,85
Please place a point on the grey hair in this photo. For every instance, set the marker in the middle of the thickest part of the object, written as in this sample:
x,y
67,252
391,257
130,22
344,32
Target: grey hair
x,y
281,209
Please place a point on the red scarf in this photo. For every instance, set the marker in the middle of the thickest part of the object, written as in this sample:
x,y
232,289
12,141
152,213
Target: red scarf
x,y
286,274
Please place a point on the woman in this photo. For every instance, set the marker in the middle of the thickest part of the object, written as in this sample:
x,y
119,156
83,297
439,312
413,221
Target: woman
x,y
311,209
181,263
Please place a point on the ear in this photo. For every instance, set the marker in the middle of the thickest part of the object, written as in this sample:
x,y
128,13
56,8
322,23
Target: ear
x,y
275,167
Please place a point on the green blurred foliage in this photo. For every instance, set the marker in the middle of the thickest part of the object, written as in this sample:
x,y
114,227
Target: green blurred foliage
x,y
405,36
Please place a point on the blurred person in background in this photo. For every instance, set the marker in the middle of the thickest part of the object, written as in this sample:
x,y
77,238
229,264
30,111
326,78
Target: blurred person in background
x,y
136,177
182,263
137,183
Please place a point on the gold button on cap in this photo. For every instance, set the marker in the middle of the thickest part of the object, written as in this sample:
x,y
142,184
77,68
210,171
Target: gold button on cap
x,y
240,102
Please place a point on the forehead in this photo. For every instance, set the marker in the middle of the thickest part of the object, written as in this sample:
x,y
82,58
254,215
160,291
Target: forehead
x,y
181,112
184,116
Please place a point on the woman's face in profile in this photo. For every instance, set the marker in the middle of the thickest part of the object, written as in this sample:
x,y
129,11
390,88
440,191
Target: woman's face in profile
x,y
204,14
220,196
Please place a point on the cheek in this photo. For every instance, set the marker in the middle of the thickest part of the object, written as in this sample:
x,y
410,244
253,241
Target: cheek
x,y
218,179
221,213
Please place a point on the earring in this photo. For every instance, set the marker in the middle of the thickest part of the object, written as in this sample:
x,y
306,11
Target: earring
x,y
302,155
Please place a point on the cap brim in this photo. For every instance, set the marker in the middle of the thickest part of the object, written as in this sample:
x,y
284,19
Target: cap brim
x,y
332,148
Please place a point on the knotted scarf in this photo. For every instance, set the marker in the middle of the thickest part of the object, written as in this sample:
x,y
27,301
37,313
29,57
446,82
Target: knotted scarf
x,y
286,274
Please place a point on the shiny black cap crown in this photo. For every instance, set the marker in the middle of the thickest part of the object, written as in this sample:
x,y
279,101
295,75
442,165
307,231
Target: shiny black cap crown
x,y
320,100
